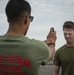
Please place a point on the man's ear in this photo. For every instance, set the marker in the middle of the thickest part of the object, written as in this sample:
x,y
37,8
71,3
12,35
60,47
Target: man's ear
x,y
25,21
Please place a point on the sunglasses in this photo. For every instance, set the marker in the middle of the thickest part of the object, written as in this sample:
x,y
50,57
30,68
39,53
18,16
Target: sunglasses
x,y
31,18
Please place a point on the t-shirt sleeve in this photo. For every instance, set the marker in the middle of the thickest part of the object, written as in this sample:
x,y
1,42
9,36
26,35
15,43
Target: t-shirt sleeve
x,y
40,52
45,54
56,60
43,50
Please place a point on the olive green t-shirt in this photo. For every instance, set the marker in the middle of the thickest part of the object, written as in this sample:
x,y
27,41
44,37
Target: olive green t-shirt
x,y
20,55
64,57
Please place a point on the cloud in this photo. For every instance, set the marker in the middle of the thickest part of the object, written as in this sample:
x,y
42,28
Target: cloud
x,y
56,7
3,24
69,1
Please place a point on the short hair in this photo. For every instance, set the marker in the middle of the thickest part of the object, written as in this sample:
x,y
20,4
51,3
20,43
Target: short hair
x,y
69,25
15,8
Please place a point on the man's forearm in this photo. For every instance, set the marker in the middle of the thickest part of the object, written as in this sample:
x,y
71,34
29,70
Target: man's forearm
x,y
51,51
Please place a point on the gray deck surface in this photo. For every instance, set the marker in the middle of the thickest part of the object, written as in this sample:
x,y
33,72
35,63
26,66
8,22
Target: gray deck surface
x,y
46,70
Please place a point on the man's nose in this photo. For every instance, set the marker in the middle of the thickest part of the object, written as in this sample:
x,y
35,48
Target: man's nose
x,y
67,35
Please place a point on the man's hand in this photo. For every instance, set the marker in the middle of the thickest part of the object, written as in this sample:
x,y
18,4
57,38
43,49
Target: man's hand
x,y
49,41
51,38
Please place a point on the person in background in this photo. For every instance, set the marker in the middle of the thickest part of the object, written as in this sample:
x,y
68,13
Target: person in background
x,y
20,55
64,56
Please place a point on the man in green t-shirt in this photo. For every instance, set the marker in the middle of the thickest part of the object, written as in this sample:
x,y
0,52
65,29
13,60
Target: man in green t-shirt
x,y
20,55
64,56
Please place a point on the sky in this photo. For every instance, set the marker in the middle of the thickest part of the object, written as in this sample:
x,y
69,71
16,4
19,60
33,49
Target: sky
x,y
47,14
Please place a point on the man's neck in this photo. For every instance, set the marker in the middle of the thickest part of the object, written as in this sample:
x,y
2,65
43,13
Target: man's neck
x,y
15,29
14,32
70,44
